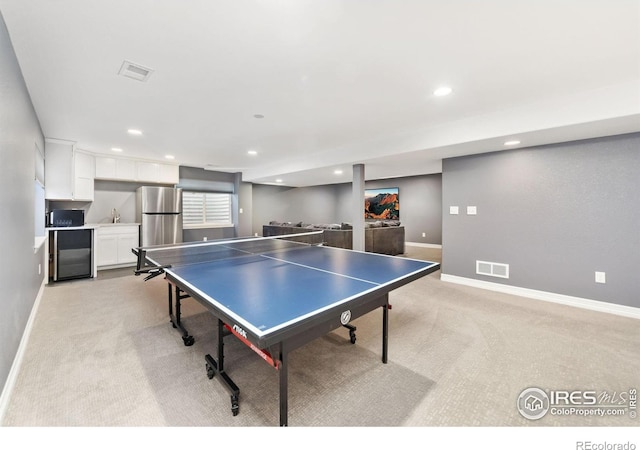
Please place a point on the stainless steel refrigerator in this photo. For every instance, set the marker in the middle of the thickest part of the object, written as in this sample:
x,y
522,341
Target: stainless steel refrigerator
x,y
159,211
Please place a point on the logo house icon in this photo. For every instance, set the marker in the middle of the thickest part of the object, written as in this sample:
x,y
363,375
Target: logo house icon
x,y
533,403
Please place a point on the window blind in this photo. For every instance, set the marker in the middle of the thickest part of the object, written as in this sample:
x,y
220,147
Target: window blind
x,y
206,208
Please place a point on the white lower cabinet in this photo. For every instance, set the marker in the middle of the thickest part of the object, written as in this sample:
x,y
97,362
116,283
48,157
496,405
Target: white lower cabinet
x,y
114,244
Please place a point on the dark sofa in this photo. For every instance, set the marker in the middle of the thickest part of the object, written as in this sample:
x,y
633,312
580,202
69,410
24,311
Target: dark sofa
x,y
379,237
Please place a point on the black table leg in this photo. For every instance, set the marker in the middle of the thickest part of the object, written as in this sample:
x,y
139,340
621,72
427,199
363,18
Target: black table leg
x,y
284,391
175,319
214,367
385,331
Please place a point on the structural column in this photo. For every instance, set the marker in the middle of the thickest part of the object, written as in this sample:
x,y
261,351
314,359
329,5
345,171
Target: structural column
x,y
358,207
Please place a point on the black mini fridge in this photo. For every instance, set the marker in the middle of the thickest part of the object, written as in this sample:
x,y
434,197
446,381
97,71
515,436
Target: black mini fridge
x,y
72,254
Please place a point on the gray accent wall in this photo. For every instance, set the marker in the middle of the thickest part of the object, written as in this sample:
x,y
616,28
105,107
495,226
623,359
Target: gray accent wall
x,y
20,133
316,204
555,214
210,234
420,200
420,205
198,179
244,225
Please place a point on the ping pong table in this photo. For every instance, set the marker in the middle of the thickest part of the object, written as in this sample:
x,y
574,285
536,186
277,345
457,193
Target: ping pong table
x,y
276,294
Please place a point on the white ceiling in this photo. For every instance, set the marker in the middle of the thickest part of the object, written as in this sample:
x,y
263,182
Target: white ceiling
x,y
339,82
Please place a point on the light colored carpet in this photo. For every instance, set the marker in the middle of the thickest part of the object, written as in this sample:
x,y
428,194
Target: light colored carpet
x,y
102,353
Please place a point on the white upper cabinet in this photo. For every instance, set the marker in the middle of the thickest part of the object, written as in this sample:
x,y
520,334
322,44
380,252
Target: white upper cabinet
x,y
147,171
108,168
58,172
169,173
69,173
84,174
128,169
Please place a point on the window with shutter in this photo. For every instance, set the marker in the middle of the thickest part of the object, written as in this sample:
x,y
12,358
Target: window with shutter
x,y
206,209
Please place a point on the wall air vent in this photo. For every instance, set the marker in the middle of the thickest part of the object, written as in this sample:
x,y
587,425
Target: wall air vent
x,y
492,269
135,71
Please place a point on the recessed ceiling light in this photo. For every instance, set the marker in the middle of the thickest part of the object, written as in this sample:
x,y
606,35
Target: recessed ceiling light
x,y
512,143
169,156
252,152
116,149
442,91
279,180
134,132
258,116
338,172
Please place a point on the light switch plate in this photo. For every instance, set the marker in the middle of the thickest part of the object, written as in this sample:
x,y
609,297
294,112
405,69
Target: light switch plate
x,y
472,210
453,210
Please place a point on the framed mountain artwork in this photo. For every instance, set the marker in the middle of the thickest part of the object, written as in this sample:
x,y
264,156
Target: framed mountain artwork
x,y
381,204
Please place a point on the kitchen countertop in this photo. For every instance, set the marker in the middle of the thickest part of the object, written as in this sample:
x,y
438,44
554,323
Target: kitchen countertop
x,y
91,226
110,224
84,227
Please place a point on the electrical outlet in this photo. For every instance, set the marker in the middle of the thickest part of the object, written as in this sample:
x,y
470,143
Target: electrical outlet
x,y
39,269
424,234
204,238
601,277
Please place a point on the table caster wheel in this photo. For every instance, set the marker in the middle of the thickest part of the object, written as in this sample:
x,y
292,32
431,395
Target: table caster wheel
x,y
235,407
188,340
352,337
210,371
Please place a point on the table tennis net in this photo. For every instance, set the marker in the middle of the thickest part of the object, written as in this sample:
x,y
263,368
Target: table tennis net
x,y
207,251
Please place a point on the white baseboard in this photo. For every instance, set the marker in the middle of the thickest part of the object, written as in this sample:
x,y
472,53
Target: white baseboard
x,y
116,266
594,305
17,361
421,244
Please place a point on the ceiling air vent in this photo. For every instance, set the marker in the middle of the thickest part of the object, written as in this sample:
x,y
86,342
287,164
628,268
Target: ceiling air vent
x,y
135,71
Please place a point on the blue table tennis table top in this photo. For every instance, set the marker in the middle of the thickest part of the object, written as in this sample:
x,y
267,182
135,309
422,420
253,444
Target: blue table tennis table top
x,y
267,289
